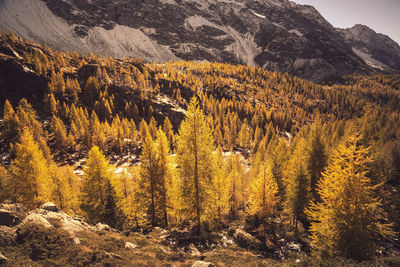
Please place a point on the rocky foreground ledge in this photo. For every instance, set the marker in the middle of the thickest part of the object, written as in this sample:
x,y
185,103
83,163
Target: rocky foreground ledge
x,y
47,235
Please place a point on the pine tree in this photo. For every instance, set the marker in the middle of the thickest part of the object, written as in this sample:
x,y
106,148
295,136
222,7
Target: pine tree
x,y
29,172
97,195
346,221
196,164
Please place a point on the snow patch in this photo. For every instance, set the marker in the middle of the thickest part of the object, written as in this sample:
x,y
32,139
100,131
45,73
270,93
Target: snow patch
x,y
258,15
279,25
296,32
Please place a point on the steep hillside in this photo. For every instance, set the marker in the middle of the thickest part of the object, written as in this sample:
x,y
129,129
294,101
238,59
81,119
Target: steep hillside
x,y
278,35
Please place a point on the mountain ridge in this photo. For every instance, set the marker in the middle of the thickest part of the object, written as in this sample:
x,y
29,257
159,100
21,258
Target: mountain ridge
x,y
278,35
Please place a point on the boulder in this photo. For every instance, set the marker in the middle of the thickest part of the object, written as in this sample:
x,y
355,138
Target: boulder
x,y
49,206
7,235
159,230
246,240
3,259
7,218
56,219
36,218
12,214
129,245
102,227
77,241
202,264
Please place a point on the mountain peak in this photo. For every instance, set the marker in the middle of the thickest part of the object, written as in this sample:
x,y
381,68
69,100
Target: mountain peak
x,y
278,35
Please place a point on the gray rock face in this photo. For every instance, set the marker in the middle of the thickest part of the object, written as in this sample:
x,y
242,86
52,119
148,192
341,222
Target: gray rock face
x,y
377,50
278,35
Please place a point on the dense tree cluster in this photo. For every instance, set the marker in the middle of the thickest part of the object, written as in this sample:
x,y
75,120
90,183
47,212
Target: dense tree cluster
x,y
217,143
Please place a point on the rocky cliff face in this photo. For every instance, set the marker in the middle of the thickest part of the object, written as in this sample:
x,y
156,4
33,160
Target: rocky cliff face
x,y
275,34
377,50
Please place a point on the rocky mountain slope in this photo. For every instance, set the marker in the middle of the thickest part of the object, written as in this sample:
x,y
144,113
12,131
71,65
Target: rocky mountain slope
x,y
275,34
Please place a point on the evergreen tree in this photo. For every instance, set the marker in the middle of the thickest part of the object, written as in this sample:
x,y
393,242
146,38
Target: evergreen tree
x,y
196,164
346,221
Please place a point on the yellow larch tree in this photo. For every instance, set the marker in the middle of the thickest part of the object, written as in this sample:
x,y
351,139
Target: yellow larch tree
x,y
346,222
264,196
196,164
29,172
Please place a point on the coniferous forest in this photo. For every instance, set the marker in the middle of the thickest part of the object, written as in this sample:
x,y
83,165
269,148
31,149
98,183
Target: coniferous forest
x,y
202,148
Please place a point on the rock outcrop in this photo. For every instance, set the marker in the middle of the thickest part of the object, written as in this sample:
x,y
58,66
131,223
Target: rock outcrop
x,y
12,214
246,240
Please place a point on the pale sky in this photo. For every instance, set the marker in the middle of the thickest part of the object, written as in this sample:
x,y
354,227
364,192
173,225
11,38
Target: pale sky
x,y
383,16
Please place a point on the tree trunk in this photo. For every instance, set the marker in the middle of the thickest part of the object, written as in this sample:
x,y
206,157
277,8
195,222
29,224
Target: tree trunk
x,y
196,179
